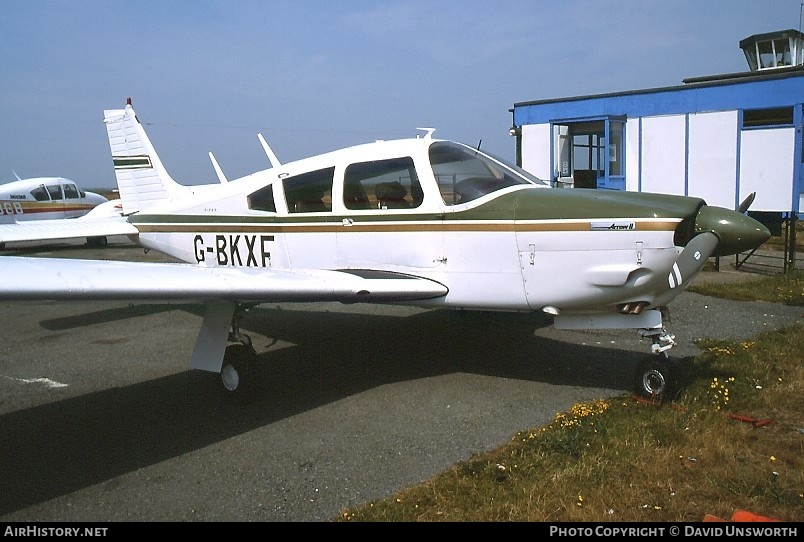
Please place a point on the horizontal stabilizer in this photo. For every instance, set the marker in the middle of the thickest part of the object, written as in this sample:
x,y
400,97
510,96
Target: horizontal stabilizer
x,y
67,228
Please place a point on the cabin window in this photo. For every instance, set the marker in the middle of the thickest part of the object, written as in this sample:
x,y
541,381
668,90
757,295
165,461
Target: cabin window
x,y
70,191
40,194
309,192
55,191
464,174
382,184
262,199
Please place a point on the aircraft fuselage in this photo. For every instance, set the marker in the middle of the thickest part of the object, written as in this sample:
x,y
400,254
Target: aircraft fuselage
x,y
45,198
521,249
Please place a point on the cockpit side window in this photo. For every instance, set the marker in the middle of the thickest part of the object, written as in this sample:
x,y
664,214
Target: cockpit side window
x,y
382,184
464,174
70,191
262,199
55,191
40,194
309,192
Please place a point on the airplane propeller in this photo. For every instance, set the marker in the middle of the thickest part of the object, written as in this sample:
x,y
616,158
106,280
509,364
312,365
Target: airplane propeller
x,y
746,203
692,258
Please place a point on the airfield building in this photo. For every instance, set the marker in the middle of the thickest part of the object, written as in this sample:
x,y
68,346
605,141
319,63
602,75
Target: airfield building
x,y
719,137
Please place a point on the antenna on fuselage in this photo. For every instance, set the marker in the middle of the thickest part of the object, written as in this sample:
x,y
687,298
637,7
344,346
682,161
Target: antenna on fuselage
x,y
15,174
429,132
218,171
271,156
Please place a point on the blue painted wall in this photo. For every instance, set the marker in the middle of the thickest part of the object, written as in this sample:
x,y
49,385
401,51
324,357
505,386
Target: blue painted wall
x,y
693,98
734,92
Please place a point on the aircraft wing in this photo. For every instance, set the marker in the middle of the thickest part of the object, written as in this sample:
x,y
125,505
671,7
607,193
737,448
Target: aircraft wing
x,y
25,278
67,228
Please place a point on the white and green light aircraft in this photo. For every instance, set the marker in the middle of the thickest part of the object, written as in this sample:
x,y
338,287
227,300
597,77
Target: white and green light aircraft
x,y
417,221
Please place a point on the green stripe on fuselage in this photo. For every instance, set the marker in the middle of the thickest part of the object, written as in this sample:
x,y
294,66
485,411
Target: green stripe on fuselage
x,y
554,207
581,204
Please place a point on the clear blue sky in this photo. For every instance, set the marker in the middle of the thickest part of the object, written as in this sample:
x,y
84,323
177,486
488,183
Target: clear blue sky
x,y
316,75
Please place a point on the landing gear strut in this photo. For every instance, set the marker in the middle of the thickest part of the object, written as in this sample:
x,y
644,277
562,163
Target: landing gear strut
x,y
654,376
239,368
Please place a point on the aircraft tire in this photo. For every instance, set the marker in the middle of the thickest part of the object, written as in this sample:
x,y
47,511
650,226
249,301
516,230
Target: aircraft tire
x,y
239,369
653,379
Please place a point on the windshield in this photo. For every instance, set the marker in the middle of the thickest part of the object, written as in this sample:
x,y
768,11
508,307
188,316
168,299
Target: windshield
x,y
464,174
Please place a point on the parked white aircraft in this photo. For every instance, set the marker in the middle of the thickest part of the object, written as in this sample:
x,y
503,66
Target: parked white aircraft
x,y
47,198
43,198
419,221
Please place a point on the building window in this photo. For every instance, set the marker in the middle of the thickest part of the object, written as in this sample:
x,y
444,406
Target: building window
x,y
774,53
777,116
615,149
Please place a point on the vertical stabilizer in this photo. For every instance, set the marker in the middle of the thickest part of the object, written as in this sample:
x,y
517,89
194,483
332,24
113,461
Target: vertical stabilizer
x,y
141,177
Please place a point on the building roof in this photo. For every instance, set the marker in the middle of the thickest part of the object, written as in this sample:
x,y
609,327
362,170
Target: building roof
x,y
779,34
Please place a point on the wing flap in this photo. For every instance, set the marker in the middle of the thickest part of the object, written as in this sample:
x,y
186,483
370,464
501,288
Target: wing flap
x,y
23,278
67,228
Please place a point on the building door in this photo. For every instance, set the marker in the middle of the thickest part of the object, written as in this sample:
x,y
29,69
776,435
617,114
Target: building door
x,y
589,153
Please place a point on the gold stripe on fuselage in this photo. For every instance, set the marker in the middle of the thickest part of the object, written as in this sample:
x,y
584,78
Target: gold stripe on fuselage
x,y
406,226
30,207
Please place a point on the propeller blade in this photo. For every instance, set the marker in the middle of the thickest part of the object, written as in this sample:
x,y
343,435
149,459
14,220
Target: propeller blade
x,y
746,203
692,258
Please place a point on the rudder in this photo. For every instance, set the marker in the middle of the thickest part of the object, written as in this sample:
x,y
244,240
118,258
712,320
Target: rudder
x,y
141,178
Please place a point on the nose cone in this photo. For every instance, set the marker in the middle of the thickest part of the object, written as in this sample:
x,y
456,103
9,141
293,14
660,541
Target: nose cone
x,y
97,199
736,232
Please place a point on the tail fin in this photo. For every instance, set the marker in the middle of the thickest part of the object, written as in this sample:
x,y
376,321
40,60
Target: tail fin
x,y
141,178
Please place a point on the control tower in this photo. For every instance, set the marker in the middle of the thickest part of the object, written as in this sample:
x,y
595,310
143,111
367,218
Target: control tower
x,y
773,50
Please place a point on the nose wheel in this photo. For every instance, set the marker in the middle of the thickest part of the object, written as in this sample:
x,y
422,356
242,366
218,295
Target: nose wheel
x,y
653,379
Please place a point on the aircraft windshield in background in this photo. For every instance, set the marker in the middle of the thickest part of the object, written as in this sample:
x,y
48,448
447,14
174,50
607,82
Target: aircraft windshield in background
x,y
44,198
418,221
48,198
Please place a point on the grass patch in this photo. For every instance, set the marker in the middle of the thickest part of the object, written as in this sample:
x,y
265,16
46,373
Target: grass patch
x,y
787,289
731,439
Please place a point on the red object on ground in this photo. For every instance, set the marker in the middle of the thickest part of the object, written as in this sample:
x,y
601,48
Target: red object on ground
x,y
741,515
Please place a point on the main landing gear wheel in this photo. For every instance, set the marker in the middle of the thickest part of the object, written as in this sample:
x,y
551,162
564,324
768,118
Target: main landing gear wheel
x,y
654,379
239,368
